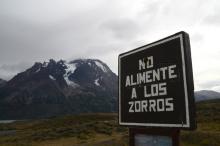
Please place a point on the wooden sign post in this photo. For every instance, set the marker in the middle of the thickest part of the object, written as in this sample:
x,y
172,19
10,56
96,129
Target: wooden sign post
x,y
156,89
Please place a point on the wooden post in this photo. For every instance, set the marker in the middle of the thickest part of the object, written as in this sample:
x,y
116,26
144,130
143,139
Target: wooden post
x,y
172,133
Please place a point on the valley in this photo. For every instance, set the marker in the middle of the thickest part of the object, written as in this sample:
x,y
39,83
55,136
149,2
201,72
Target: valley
x,y
102,129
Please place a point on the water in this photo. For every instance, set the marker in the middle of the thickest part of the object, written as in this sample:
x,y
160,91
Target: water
x,y
7,132
6,121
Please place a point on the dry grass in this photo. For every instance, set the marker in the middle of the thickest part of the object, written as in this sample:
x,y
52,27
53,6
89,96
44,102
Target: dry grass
x,y
103,130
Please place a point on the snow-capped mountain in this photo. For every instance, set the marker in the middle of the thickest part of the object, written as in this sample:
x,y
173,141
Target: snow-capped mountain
x,y
59,87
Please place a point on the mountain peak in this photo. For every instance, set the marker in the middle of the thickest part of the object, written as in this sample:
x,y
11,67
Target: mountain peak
x,y
206,95
61,87
93,63
70,73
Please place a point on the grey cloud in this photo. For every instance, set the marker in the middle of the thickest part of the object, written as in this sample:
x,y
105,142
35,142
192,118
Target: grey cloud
x,y
213,19
216,88
38,30
23,41
213,16
209,84
7,71
122,28
151,8
77,35
74,35
197,37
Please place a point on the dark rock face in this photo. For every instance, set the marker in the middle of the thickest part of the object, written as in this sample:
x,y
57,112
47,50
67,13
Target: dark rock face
x,y
2,82
54,88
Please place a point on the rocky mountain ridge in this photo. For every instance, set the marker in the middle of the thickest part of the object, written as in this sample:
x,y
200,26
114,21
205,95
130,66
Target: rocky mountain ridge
x,y
59,87
206,95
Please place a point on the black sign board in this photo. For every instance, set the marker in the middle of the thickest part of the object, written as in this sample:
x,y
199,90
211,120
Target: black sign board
x,y
156,84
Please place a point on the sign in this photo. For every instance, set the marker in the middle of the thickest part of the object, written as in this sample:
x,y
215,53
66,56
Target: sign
x,y
156,84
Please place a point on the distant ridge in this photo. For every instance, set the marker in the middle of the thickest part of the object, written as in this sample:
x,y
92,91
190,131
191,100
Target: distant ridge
x,y
206,95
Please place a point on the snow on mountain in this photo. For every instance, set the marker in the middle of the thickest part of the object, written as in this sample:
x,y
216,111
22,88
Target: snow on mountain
x,y
96,82
45,64
51,77
101,66
59,87
70,68
37,70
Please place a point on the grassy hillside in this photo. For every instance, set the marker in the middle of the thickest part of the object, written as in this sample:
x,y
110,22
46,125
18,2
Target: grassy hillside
x,y
208,131
102,130
65,131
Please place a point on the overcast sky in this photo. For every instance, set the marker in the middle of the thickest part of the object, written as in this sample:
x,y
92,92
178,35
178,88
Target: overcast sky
x,y
37,30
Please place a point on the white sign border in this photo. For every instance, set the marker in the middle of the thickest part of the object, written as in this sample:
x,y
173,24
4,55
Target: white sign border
x,y
187,124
